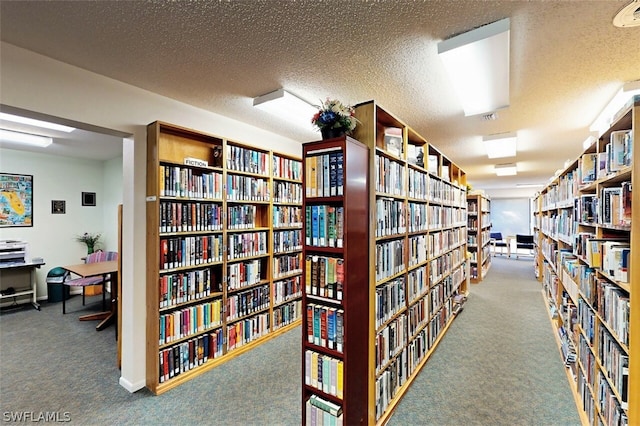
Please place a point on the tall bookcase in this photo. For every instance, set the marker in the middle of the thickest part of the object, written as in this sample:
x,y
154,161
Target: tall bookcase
x,y
479,235
587,252
414,277
224,250
337,295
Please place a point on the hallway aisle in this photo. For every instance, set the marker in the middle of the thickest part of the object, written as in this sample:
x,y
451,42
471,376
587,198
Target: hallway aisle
x,y
498,364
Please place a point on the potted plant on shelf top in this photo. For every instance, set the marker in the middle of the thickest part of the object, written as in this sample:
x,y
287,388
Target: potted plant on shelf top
x,y
91,240
334,118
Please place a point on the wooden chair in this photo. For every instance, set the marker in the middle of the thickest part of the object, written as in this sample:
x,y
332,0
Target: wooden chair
x,y
524,242
497,241
98,256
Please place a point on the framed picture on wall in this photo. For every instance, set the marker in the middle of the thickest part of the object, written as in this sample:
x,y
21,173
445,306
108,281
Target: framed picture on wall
x,y
58,207
88,198
16,200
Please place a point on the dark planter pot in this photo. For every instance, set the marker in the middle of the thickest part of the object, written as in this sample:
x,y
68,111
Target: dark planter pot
x,y
332,133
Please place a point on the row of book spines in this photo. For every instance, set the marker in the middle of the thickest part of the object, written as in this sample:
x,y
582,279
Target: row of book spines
x,y
390,299
247,188
614,359
247,330
287,314
189,216
287,168
188,355
615,205
324,373
287,192
391,340
247,302
616,156
391,217
390,259
243,274
247,244
286,289
286,241
176,181
186,286
390,380
390,177
287,264
324,226
190,251
324,276
324,175
287,216
325,326
395,373
321,412
247,160
612,257
189,321
611,409
613,306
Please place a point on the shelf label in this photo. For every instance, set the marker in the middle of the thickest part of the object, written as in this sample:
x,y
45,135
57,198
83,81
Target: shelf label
x,y
195,162
151,198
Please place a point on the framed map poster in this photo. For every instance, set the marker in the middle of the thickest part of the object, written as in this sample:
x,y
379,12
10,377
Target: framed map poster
x,y
16,200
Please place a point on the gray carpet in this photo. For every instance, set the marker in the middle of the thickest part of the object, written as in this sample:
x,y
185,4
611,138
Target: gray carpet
x,y
497,365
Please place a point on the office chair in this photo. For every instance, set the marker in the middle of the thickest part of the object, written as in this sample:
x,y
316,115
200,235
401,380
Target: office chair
x,y
497,241
524,242
98,256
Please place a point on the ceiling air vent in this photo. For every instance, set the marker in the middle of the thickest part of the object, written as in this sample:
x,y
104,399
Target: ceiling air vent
x,y
628,16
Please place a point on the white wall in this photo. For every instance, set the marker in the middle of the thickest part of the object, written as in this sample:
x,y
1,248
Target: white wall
x,y
511,216
52,236
34,82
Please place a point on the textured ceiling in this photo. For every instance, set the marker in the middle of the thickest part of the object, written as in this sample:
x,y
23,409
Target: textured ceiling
x,y
567,61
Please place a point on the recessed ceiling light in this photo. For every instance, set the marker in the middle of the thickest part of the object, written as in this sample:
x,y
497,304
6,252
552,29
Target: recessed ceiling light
x,y
500,145
506,169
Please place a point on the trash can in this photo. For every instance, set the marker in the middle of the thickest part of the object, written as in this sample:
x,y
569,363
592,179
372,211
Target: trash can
x,y
55,290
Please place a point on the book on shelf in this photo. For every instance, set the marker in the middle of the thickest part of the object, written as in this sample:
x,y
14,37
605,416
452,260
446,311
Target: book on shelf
x,y
588,168
619,150
393,140
610,205
432,163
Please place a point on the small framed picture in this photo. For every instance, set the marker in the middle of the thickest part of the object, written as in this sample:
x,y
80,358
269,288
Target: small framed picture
x,y
88,198
58,207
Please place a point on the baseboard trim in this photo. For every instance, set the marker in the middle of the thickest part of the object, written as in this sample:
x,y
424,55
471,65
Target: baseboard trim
x,y
131,387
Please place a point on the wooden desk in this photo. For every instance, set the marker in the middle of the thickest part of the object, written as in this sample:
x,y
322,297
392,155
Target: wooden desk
x,y
94,269
10,271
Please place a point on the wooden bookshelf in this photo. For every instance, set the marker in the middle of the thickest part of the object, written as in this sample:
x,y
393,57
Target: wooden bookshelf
x,y
479,235
224,250
344,294
415,272
584,229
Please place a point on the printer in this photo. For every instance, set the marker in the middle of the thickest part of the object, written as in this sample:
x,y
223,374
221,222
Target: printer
x,y
14,252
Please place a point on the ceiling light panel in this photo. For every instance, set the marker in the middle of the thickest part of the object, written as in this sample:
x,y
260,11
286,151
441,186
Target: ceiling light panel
x,y
37,123
506,169
24,138
287,106
501,145
478,64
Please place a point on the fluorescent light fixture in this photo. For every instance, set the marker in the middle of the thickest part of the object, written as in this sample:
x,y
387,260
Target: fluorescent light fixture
x,y
24,138
501,145
506,169
606,117
478,64
287,106
38,123
529,185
